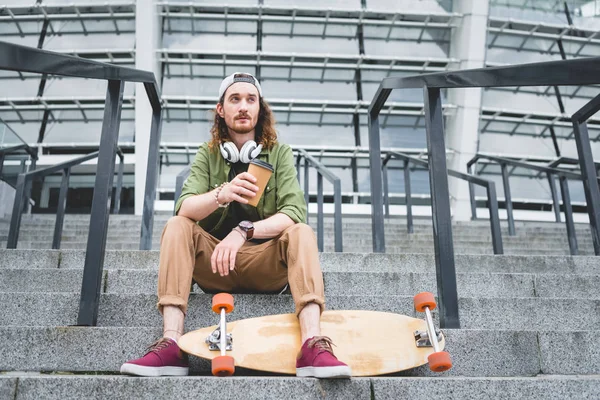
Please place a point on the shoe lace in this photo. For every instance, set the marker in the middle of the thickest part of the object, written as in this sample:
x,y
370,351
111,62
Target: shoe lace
x,y
159,345
322,343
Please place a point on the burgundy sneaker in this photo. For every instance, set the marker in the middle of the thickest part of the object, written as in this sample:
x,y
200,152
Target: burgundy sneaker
x,y
316,359
163,358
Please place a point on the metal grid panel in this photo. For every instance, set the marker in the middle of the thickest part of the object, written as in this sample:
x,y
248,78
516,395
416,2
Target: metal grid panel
x,y
23,19
521,35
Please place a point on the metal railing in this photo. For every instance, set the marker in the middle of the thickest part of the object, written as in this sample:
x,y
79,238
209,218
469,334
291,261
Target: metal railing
x,y
551,173
18,149
576,72
19,58
322,171
473,180
24,180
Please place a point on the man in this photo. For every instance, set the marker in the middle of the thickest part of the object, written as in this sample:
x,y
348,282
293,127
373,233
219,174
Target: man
x,y
225,245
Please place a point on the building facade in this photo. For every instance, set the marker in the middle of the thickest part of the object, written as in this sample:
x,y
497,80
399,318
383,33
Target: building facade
x,y
319,63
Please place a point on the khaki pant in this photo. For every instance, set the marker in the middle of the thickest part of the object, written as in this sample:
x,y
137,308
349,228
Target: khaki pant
x,y
292,257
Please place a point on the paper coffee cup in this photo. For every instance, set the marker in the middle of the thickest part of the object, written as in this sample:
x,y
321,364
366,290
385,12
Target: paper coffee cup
x,y
262,171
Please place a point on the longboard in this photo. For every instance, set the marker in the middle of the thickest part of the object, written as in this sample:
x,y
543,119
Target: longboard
x,y
370,342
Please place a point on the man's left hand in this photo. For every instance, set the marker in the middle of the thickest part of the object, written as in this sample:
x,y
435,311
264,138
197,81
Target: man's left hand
x,y
223,257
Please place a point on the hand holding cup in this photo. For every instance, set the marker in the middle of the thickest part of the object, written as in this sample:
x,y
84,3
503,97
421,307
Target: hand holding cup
x,y
243,185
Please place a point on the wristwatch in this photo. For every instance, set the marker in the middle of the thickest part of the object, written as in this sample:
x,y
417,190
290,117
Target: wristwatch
x,y
247,227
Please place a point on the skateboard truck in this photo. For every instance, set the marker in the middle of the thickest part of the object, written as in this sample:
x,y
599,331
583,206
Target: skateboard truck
x,y
439,361
214,340
422,338
219,339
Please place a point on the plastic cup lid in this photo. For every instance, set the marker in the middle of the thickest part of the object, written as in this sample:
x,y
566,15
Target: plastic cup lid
x,y
263,164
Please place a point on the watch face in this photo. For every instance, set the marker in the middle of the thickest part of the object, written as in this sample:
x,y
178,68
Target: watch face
x,y
245,225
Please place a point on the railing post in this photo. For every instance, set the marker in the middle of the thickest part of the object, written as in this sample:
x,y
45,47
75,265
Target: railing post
x,y
298,159
440,207
472,194
117,202
508,201
494,218
320,219
96,243
588,172
60,210
306,195
17,212
386,191
566,197
555,202
408,197
377,218
151,180
337,198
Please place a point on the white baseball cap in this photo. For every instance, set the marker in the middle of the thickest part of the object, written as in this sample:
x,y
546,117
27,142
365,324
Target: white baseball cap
x,y
239,77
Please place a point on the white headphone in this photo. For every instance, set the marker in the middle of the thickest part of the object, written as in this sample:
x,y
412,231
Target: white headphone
x,y
248,152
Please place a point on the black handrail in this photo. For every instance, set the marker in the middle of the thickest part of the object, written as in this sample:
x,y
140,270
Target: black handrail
x,y
487,184
14,150
552,173
323,171
580,71
19,58
24,180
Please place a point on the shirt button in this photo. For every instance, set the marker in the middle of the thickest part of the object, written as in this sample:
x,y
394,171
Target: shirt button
x,y
267,188
216,185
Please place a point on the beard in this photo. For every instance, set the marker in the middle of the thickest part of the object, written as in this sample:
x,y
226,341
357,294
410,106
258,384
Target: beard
x,y
240,128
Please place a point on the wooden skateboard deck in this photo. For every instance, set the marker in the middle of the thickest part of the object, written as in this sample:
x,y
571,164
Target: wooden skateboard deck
x,y
370,342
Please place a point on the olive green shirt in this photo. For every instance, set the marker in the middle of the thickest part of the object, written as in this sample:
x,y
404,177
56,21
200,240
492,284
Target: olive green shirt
x,y
282,194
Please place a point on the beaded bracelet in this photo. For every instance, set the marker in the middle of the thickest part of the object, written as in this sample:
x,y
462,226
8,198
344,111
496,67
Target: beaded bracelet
x,y
217,195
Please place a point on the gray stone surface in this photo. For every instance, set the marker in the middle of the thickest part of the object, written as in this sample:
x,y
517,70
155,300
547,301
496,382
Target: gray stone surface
x,y
201,387
537,388
58,309
475,353
574,352
13,258
8,386
40,280
529,314
362,283
570,286
113,259
126,388
356,262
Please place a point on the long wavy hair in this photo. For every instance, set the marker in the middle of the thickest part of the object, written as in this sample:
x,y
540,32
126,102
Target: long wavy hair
x,y
265,128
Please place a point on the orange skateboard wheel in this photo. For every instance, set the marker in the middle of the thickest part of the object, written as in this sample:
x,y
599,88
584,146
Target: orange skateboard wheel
x,y
223,366
440,361
424,299
222,300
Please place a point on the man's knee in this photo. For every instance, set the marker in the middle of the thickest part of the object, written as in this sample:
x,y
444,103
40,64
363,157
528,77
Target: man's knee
x,y
301,229
178,226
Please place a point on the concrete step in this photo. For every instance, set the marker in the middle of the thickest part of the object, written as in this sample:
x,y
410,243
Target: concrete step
x,y
330,262
476,353
358,247
119,310
539,241
134,281
361,229
45,221
25,386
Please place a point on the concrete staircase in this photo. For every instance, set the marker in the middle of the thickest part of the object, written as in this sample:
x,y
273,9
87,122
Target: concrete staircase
x,y
469,238
529,322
